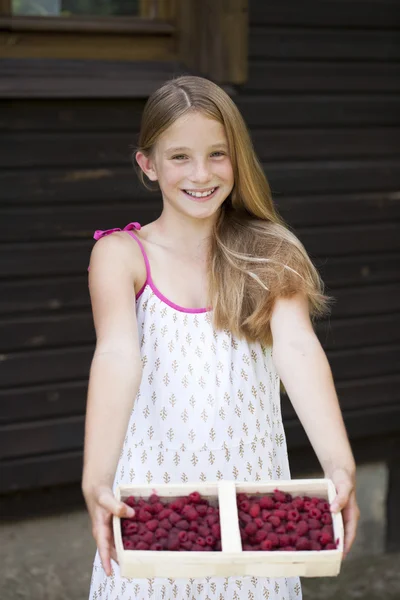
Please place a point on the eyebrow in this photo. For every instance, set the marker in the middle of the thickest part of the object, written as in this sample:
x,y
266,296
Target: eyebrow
x,y
185,149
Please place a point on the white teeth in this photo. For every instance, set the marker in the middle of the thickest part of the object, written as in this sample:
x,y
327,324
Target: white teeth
x,y
201,194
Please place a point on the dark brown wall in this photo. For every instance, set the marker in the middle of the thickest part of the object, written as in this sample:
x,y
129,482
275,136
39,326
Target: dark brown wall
x,y
322,104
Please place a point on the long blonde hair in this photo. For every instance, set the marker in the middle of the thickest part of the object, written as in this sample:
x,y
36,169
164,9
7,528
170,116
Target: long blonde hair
x,y
254,257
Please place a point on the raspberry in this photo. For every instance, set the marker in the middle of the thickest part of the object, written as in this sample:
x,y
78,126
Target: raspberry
x,y
314,513
289,497
144,515
293,515
193,526
190,513
200,541
129,545
173,543
315,545
325,539
216,531
247,547
326,518
153,498
177,505
323,506
254,510
279,496
302,528
160,532
275,521
289,548
314,535
273,538
210,510
195,497
192,536
303,544
244,506
267,527
330,546
242,496
148,537
164,514
210,540
211,519
245,517
267,502
313,524
156,546
298,503
204,531
259,522
182,536
266,545
201,509
281,529
315,500
182,524
187,545
218,545
142,546
284,540
250,528
130,528
265,514
152,525
130,501
260,535
165,524
279,513
174,518
157,508
308,505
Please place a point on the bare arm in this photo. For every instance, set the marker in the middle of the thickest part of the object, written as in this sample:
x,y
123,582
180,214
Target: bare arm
x,y
305,372
115,376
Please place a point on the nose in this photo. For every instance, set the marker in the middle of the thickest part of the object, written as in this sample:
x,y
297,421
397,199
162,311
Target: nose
x,y
201,172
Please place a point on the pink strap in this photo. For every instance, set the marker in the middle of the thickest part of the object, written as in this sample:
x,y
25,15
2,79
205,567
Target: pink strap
x,y
99,233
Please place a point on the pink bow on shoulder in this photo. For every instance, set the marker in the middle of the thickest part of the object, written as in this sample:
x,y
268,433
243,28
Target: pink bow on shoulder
x,y
99,233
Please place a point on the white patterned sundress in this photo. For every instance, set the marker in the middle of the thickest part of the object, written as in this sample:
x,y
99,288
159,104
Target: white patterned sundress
x,y
208,408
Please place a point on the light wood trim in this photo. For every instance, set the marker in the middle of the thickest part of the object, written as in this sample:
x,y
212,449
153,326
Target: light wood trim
x,y
135,25
213,38
5,7
82,46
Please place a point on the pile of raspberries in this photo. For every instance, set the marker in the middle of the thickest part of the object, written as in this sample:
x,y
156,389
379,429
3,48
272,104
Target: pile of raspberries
x,y
272,522
185,523
283,522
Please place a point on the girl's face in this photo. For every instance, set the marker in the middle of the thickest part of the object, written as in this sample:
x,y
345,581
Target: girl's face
x,y
192,165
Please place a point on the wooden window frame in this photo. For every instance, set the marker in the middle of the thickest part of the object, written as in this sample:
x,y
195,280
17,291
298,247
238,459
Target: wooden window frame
x,y
208,37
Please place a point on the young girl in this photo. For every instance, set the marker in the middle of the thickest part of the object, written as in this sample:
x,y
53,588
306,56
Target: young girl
x,y
185,387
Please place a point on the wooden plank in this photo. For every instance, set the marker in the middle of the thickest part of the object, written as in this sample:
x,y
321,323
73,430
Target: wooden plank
x,y
64,222
50,400
359,332
285,43
63,468
71,45
72,328
382,14
121,184
351,239
72,257
310,76
346,271
72,222
48,78
25,333
44,294
71,115
335,209
41,366
104,149
40,471
302,110
294,110
41,437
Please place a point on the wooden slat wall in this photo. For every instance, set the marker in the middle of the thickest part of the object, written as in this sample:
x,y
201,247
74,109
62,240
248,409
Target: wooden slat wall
x,y
322,104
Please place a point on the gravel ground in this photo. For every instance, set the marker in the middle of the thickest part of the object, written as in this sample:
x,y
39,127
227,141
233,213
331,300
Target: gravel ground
x,y
50,558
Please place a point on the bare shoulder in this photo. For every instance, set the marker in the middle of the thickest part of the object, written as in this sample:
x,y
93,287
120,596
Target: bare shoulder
x,y
117,257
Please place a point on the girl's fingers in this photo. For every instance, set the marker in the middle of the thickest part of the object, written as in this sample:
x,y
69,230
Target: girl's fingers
x,y
103,546
107,500
351,516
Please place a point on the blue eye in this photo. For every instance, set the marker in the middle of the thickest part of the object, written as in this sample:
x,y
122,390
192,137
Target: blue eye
x,y
178,157
219,153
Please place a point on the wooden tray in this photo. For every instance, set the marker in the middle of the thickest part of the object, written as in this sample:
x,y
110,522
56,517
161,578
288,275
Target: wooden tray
x,y
231,561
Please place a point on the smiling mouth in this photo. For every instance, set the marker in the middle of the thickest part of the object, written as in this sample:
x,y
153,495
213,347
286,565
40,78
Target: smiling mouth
x,y
205,194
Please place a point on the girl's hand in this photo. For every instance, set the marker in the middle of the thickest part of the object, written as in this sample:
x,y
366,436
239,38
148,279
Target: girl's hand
x,y
346,502
102,505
